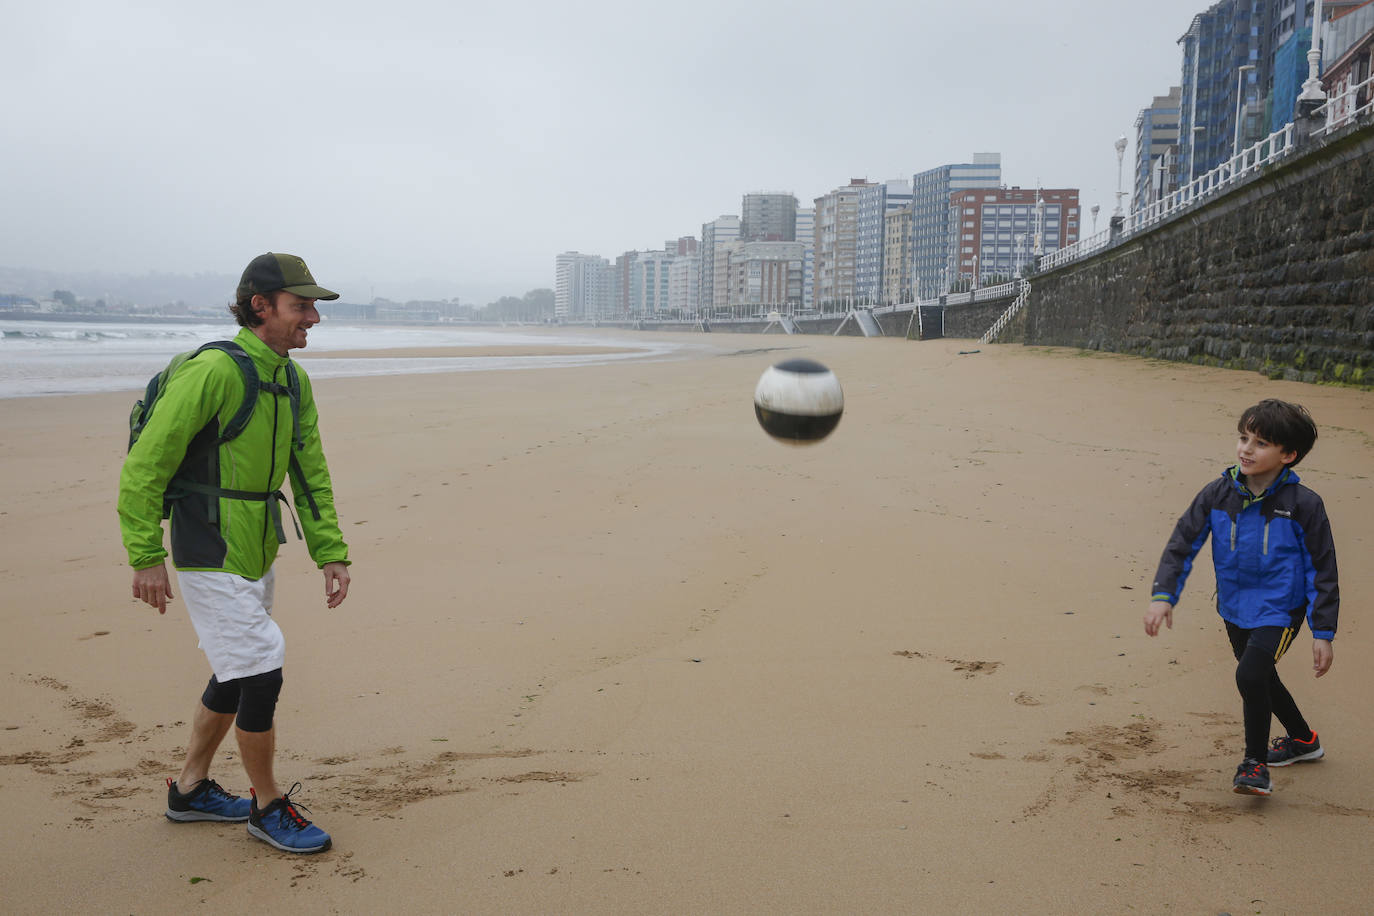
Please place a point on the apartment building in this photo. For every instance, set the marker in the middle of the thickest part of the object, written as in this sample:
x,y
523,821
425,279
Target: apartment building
x,y
769,216
999,230
931,269
1156,135
836,244
875,202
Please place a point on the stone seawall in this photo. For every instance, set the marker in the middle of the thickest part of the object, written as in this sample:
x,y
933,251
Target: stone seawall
x,y
974,318
1276,276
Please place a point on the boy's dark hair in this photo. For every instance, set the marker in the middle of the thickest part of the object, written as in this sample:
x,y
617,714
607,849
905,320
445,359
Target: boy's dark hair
x,y
1287,425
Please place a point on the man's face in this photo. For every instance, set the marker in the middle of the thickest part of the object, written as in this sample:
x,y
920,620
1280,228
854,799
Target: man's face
x,y
286,318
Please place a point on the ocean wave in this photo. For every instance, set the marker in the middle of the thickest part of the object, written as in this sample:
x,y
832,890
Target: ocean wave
x,y
41,358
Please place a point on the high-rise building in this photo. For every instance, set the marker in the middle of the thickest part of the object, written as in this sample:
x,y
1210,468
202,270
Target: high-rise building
x,y
931,270
583,287
806,234
683,276
714,235
1290,28
1244,62
836,244
875,202
1221,56
764,276
999,230
1156,132
897,257
649,276
622,284
769,216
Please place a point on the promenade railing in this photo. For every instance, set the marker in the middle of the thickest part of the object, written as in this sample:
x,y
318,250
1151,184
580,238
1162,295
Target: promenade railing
x,y
1022,297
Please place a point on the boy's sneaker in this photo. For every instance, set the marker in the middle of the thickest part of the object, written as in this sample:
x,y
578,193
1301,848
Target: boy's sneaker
x,y
1288,750
206,802
280,824
1252,778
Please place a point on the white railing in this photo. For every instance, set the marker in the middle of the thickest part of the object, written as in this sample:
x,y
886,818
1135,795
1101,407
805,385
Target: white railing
x,y
1245,163
1347,107
1356,102
1022,298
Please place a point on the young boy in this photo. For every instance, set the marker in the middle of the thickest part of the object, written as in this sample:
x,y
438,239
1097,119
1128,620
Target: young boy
x,y
1275,563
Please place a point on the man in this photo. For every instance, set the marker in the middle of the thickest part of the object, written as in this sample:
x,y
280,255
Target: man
x,y
225,510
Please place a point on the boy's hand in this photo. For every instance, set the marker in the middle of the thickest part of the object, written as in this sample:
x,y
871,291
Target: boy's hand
x,y
1322,656
1160,612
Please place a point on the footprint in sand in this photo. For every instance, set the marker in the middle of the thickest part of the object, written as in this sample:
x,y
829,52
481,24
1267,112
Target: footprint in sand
x,y
970,668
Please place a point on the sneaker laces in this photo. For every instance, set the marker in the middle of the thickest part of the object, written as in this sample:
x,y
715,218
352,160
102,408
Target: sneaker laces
x,y
289,812
210,787
1251,768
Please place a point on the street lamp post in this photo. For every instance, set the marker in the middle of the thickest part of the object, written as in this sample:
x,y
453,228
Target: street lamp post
x,y
1235,143
1192,155
1312,93
1119,215
1095,210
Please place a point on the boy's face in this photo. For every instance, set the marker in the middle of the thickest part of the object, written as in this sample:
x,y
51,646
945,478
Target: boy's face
x,y
1261,458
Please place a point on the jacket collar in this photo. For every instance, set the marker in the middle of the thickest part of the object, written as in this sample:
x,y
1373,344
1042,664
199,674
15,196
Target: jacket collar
x,y
1286,476
262,354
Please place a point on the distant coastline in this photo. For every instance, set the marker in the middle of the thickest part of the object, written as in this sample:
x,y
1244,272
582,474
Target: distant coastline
x,y
107,318
112,319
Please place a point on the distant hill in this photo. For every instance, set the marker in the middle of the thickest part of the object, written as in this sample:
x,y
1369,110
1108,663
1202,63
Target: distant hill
x,y
153,289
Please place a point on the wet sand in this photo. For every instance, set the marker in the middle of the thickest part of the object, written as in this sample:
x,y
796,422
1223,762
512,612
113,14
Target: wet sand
x,y
610,649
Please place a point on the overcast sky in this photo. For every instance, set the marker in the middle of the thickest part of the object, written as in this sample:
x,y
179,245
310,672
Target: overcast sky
x,y
451,148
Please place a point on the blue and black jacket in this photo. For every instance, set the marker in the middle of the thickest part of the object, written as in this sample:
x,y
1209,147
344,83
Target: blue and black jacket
x,y
1274,556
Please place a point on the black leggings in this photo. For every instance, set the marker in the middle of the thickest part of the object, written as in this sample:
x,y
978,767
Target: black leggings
x,y
1262,694
254,698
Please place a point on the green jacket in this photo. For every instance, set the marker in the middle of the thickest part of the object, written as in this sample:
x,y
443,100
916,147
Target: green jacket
x,y
214,532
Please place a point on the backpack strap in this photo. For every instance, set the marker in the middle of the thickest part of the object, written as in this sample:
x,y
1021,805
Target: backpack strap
x,y
275,500
293,391
251,385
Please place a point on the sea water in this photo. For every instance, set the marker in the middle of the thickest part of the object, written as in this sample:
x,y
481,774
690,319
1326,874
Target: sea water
x,y
59,357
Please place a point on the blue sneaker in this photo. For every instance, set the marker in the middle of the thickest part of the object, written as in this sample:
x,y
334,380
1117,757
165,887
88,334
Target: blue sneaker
x,y
206,802
280,825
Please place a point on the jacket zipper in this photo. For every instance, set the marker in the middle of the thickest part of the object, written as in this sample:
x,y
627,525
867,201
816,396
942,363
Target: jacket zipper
x,y
271,472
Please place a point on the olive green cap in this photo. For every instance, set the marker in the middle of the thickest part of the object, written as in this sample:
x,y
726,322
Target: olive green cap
x,y
270,272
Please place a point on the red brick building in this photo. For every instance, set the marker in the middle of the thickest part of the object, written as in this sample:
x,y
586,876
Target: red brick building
x,y
994,231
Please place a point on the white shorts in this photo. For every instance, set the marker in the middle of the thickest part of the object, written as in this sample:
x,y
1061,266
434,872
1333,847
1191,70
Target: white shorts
x,y
233,618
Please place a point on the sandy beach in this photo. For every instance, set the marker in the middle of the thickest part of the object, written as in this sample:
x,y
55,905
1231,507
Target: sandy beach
x,y
611,649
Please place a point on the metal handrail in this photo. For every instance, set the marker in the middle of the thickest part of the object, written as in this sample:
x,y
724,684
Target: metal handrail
x,y
1005,318
1351,98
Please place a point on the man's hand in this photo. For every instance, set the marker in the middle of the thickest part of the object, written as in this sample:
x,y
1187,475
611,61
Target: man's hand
x,y
1159,612
152,586
336,581
1322,656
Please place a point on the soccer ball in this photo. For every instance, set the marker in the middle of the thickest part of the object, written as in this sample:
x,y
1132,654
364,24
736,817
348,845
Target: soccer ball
x,y
798,401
